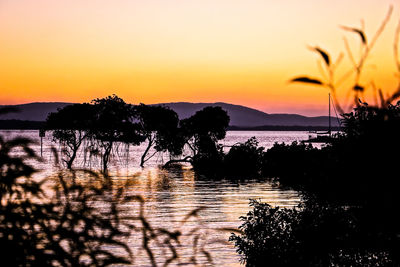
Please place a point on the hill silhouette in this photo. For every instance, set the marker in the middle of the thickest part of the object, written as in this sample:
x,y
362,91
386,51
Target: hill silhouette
x,y
37,111
248,117
240,116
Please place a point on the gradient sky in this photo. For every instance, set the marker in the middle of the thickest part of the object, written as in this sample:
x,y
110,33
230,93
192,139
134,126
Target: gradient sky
x,y
152,51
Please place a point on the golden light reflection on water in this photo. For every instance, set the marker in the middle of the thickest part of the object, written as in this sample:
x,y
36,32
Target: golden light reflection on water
x,y
170,195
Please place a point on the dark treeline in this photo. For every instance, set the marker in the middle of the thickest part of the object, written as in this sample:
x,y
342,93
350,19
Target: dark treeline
x,y
193,140
107,121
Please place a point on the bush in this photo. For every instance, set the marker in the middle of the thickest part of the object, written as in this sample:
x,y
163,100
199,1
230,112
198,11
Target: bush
x,y
313,234
209,160
287,162
346,171
244,160
350,189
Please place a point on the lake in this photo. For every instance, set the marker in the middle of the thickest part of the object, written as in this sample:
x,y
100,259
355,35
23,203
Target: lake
x,y
172,194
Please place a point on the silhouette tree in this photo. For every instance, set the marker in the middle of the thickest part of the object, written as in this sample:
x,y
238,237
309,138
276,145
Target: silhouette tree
x,y
70,126
113,122
200,133
158,125
205,128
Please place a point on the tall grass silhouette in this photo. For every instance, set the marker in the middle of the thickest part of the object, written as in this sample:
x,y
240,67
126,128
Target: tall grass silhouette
x,y
357,86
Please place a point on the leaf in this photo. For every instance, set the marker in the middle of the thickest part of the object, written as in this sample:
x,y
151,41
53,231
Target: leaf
x,y
305,79
362,103
323,54
358,88
358,31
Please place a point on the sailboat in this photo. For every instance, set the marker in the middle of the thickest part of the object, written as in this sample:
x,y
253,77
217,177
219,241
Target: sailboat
x,y
322,137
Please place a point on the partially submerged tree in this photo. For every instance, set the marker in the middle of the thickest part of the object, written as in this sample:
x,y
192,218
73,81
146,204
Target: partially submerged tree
x,y
113,123
158,124
70,126
201,133
204,128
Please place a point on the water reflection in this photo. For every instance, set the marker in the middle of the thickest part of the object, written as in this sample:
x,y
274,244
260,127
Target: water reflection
x,y
172,194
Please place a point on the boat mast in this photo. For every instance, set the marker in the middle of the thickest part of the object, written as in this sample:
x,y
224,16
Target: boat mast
x,y
329,131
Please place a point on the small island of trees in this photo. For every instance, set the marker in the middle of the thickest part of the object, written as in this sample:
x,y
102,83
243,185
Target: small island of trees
x,y
110,120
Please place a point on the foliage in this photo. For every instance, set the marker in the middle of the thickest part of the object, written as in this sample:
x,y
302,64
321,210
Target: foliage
x,y
70,125
244,160
349,187
209,161
201,133
350,197
113,122
203,130
313,234
110,120
291,163
372,122
346,170
159,125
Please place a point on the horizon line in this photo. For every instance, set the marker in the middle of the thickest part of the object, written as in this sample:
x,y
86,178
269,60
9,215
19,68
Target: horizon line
x,y
177,102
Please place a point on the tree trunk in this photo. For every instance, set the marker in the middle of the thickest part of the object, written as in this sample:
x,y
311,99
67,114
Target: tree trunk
x,y
106,157
71,160
142,160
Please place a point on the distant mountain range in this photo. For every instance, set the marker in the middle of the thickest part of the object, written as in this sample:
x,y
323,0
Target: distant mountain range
x,y
240,116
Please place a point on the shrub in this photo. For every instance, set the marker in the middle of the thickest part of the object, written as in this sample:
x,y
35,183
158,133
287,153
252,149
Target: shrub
x,y
244,160
313,234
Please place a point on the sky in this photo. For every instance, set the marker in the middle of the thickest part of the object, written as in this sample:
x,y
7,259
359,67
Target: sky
x,y
152,51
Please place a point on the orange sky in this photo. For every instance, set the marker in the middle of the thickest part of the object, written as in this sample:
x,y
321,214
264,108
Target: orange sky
x,y
151,51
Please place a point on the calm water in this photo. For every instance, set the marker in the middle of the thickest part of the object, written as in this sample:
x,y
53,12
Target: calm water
x,y
172,194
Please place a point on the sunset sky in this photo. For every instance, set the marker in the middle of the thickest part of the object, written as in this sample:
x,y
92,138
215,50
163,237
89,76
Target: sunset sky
x,y
151,51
